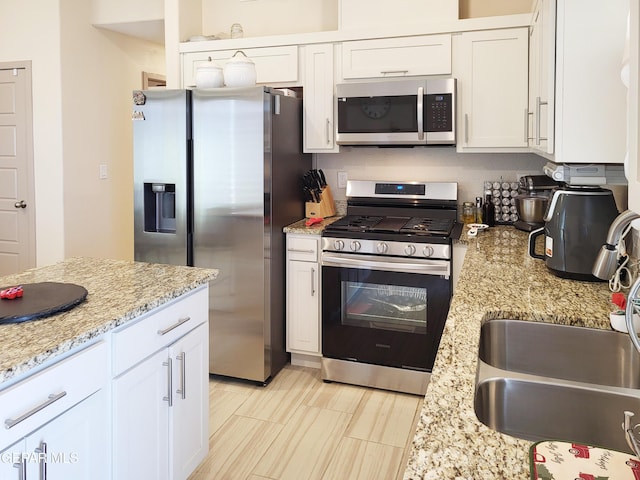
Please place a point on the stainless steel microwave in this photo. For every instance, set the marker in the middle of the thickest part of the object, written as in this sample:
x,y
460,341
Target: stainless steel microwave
x,y
400,112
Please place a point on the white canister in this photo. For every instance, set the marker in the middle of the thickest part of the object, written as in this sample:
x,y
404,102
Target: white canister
x,y
239,71
209,75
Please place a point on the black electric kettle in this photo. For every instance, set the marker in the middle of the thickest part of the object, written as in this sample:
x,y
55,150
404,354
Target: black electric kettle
x,y
577,220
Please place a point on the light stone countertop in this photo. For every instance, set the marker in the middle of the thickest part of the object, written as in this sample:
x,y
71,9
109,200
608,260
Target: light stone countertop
x,y
119,291
498,280
300,228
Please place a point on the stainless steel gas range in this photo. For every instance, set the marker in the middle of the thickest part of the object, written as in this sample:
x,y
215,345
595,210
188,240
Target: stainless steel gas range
x,y
387,283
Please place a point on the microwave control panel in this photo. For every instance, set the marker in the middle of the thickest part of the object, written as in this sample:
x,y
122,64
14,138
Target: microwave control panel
x,y
438,112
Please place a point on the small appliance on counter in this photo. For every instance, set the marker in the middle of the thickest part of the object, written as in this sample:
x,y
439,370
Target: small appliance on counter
x,y
532,201
576,223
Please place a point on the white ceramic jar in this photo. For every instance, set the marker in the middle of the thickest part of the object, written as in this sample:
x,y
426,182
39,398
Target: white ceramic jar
x,y
239,71
209,75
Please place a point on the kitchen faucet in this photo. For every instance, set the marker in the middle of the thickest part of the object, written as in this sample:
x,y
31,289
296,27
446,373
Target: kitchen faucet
x,y
607,262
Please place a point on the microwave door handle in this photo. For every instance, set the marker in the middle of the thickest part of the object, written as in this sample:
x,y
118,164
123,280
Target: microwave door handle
x,y
420,110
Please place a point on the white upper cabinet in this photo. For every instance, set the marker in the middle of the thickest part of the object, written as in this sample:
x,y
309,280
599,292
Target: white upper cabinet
x,y
590,98
542,44
492,71
397,57
274,65
319,126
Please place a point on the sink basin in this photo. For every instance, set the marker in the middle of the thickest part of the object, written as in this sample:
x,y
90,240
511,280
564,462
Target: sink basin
x,y
541,381
536,411
579,354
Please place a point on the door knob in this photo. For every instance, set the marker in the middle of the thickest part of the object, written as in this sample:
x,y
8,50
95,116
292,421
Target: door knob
x,y
20,204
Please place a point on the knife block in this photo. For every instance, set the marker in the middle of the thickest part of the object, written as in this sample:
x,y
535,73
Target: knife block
x,y
322,209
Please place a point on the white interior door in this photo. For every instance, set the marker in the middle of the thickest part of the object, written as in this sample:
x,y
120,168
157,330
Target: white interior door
x,y
17,212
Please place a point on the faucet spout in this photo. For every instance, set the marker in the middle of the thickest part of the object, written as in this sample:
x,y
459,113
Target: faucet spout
x,y
607,260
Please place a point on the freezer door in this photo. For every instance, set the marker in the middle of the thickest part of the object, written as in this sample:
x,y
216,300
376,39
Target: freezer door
x,y
229,224
161,154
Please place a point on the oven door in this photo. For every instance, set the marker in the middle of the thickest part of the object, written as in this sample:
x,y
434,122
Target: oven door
x,y
387,311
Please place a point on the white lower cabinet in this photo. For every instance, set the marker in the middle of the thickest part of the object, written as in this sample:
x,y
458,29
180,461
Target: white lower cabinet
x,y
73,446
303,295
55,421
161,404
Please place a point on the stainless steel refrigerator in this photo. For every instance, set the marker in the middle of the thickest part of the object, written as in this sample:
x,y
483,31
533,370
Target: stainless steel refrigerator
x,y
215,181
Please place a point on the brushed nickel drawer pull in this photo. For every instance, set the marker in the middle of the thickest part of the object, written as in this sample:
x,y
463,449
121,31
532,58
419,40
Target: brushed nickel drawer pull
x,y
10,422
175,325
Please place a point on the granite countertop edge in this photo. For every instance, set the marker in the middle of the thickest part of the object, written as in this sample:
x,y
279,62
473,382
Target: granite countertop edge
x,y
119,291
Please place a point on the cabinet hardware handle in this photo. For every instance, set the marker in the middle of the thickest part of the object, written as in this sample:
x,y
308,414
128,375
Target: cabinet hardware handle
x,y
526,125
393,72
42,460
420,110
175,325
466,128
10,422
299,250
183,375
313,285
328,131
169,397
539,104
22,469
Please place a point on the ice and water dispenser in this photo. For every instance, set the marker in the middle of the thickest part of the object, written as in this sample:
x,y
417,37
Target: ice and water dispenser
x,y
160,207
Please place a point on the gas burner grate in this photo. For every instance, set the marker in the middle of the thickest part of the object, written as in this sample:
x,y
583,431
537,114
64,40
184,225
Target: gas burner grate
x,y
434,226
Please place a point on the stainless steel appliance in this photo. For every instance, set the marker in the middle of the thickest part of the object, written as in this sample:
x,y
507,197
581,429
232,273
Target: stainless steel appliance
x,y
215,181
397,112
532,200
386,283
576,224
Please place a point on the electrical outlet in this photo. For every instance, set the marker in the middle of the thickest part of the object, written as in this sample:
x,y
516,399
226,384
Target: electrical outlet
x,y
342,179
103,172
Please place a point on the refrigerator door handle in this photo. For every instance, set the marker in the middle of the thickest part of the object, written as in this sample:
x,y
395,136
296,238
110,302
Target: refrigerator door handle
x,y
276,104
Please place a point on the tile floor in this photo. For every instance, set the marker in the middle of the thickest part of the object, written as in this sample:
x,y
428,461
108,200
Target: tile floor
x,y
299,427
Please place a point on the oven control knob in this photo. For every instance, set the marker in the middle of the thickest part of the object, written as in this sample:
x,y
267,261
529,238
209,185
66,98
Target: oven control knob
x,y
409,249
355,245
338,244
382,247
428,251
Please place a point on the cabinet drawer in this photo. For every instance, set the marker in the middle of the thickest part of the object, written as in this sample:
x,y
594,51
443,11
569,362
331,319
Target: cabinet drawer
x,y
160,327
397,57
302,248
273,64
39,398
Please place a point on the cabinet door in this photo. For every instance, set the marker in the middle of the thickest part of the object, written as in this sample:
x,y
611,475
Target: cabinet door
x,y
397,57
75,445
492,72
189,416
542,77
13,461
319,99
141,420
303,307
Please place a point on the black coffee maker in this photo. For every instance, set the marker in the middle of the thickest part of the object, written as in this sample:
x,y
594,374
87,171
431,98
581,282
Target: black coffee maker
x,y
576,223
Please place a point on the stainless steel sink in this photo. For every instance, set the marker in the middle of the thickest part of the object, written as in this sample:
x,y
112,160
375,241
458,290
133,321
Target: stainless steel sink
x,y
536,411
541,381
603,357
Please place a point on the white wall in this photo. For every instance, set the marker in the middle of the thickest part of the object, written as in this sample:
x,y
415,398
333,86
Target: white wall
x,y
269,17
100,68
436,164
82,80
31,31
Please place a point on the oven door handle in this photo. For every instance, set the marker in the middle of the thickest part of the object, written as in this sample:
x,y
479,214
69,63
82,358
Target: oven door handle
x,y
390,264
